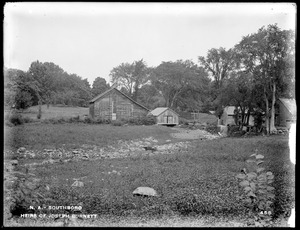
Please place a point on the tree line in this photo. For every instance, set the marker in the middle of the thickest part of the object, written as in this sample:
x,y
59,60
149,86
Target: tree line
x,y
251,75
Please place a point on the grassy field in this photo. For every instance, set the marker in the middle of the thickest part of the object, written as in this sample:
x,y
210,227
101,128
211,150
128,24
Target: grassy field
x,y
55,112
39,136
198,182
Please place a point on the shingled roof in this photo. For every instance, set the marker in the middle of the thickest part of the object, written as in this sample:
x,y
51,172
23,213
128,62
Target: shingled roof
x,y
111,89
290,104
160,110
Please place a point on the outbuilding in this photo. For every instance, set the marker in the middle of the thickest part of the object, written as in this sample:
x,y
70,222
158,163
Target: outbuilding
x,y
165,116
115,105
287,112
228,116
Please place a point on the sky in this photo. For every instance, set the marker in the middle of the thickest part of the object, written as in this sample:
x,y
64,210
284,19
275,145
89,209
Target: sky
x,y
90,39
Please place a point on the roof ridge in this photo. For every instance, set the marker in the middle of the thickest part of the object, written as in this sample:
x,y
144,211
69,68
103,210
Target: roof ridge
x,y
107,91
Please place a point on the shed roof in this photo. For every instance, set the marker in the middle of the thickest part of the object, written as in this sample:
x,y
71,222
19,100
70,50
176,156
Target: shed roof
x,y
111,89
160,110
290,104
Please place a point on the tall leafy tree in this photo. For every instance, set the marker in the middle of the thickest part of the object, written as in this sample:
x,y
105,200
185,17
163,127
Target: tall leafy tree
x,y
219,63
130,76
239,91
268,54
99,86
173,79
17,90
43,81
150,97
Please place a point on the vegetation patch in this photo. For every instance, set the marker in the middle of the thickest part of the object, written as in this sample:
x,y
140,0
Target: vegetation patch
x,y
200,181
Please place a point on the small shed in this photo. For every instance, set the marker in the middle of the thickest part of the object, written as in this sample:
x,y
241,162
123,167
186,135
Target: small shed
x,y
115,105
287,112
165,116
227,117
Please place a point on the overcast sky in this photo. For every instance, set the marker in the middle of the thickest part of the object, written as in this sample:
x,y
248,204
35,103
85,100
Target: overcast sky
x,y
90,39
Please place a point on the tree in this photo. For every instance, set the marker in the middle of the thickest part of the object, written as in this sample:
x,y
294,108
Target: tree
x,y
219,63
130,76
174,79
239,91
267,55
150,97
42,81
17,90
99,86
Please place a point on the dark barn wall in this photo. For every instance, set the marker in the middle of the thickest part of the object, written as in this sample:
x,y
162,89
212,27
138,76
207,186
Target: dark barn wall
x,y
117,103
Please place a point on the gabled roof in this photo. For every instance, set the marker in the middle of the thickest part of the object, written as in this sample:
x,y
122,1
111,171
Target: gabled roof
x,y
111,89
290,104
160,110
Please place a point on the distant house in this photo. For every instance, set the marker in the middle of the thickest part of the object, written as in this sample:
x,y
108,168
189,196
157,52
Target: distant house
x,y
287,112
227,117
165,116
115,105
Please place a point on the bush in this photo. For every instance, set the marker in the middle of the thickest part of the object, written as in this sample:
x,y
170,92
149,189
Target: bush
x,y
27,120
16,119
148,120
88,120
183,121
143,120
74,119
117,123
98,120
214,129
55,120
258,194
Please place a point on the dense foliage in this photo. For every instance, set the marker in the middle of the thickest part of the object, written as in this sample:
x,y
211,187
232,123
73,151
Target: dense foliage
x,y
251,75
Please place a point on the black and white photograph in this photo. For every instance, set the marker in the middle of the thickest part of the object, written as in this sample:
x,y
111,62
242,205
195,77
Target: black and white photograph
x,y
149,114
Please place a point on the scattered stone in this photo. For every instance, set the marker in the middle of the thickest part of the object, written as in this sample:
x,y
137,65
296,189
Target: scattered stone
x,y
14,162
193,134
21,150
144,191
149,148
77,183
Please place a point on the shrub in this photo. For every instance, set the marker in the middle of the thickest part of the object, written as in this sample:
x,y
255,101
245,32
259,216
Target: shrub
x,y
27,120
258,194
16,119
214,129
88,120
25,191
117,123
183,121
142,120
100,120
74,119
148,120
55,120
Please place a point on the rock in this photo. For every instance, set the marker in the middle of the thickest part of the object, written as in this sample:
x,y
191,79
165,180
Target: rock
x,y
21,150
75,152
14,162
145,191
77,184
